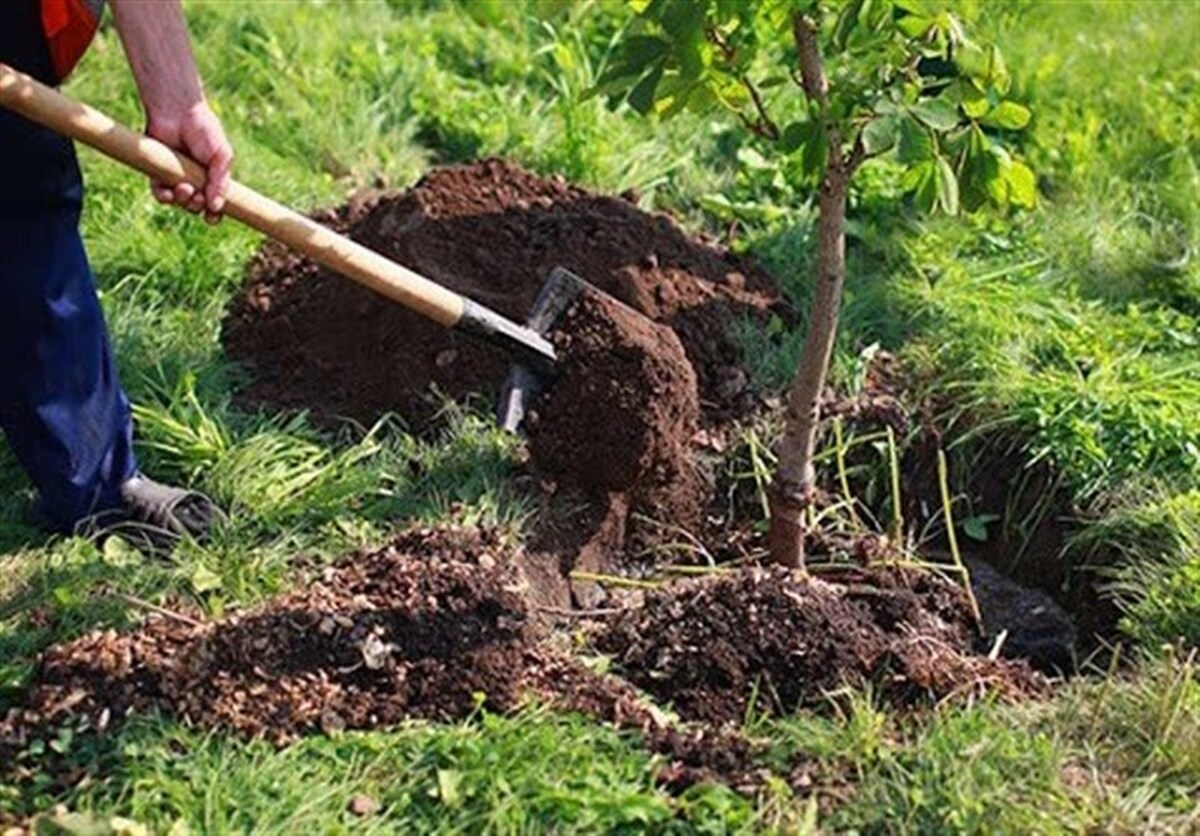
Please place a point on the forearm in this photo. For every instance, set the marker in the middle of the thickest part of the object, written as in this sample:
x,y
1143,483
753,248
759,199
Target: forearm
x,y
156,42
155,37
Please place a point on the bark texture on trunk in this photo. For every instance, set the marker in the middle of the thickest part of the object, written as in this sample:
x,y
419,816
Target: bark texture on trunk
x,y
794,482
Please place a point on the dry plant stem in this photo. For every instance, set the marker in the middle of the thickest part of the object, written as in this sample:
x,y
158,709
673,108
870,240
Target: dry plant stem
x,y
613,580
894,471
843,479
563,612
155,608
955,554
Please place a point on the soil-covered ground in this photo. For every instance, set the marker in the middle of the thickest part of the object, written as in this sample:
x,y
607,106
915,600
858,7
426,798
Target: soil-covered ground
x,y
712,646
638,381
493,232
415,629
440,623
440,620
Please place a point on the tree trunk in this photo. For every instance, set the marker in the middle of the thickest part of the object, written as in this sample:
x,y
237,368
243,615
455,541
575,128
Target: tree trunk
x,y
794,482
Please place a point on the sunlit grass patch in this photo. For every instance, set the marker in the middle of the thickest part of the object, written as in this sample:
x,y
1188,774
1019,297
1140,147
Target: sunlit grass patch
x,y
531,772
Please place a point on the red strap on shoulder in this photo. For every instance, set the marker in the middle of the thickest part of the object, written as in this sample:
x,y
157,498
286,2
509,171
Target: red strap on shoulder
x,y
69,26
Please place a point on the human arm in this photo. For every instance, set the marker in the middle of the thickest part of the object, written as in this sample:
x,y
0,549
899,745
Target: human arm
x,y
155,38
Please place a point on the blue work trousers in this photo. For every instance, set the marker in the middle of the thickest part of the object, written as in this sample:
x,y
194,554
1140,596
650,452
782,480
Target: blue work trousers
x,y
61,405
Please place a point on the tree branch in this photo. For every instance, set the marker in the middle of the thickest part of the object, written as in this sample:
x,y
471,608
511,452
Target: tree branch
x,y
764,126
767,126
717,40
858,153
812,69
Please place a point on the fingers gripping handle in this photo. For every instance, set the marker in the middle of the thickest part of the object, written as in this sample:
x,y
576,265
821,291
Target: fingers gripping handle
x,y
46,106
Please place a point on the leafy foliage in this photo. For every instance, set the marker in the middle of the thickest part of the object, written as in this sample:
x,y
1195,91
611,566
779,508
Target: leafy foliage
x,y
905,80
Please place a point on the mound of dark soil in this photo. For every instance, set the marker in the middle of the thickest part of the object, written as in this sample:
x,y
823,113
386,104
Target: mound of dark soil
x,y
709,646
492,231
441,622
622,413
432,626
414,630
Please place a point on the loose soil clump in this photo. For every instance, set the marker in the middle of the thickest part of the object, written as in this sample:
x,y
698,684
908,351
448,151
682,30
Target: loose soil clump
x,y
711,646
622,412
491,231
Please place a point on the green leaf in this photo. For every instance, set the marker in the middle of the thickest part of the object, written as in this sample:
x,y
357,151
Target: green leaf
x,y
1007,115
846,22
983,64
449,786
674,94
980,168
974,62
947,187
880,134
117,551
718,204
976,527
752,159
725,209
916,145
638,51
813,154
693,52
680,17
921,180
973,102
915,26
996,183
798,134
204,579
1022,185
939,114
955,142
641,97
997,69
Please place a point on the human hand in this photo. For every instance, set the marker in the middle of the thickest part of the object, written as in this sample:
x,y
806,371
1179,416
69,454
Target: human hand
x,y
196,132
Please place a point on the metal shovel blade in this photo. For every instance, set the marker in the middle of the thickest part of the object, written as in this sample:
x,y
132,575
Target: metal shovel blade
x,y
526,381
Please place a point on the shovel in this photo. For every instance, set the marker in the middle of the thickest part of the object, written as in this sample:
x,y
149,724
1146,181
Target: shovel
x,y
533,354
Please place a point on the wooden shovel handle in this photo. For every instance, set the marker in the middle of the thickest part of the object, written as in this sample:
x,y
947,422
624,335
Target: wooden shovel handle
x,y
46,106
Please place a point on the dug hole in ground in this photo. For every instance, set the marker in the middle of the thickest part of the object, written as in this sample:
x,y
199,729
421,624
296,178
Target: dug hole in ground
x,y
442,620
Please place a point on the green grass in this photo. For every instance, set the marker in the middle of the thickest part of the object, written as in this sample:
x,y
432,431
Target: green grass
x,y
529,773
1069,334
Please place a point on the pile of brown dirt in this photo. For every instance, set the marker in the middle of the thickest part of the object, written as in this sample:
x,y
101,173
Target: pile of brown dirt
x,y
433,626
612,441
415,629
440,622
491,231
708,646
